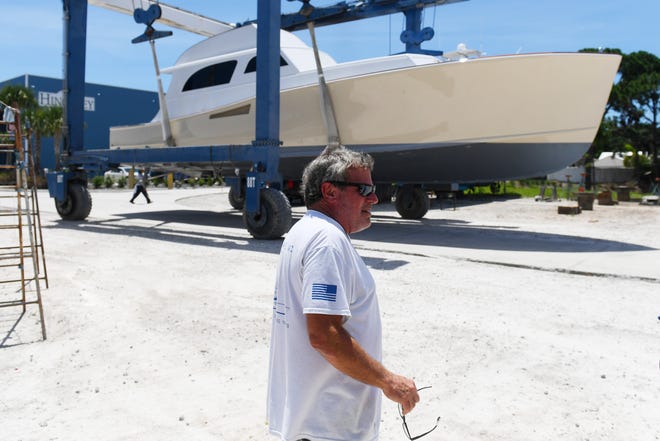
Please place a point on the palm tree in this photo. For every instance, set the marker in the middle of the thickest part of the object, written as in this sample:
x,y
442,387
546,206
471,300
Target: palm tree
x,y
46,122
52,119
37,121
20,97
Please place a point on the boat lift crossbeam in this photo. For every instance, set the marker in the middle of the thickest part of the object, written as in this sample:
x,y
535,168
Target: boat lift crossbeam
x,y
412,36
351,11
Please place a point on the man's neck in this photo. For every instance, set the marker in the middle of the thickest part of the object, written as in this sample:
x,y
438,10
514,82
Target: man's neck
x,y
323,208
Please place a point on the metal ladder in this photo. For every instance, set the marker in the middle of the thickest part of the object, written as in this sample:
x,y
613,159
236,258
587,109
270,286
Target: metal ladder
x,y
22,258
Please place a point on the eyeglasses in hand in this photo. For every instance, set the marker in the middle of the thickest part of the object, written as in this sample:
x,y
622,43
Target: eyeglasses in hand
x,y
405,425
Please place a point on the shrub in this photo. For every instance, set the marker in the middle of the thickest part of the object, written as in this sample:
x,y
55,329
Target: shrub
x,y
121,182
108,182
97,181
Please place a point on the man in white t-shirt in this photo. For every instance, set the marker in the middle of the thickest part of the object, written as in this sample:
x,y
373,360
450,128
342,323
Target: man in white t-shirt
x,y
325,376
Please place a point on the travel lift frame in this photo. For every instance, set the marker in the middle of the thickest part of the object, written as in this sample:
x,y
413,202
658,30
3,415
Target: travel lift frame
x,y
267,213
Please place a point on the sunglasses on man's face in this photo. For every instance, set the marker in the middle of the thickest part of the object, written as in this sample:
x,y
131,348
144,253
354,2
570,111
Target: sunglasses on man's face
x,y
365,190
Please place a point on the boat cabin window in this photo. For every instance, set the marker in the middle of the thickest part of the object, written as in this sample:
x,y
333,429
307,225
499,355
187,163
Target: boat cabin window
x,y
252,64
209,76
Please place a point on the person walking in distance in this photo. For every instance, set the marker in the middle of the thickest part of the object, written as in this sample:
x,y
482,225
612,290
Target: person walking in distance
x,y
141,187
325,373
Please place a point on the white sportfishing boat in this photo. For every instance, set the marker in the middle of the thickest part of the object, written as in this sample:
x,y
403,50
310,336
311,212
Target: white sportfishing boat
x,y
430,120
425,119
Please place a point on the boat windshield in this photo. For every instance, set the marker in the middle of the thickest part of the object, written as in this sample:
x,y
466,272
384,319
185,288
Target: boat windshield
x,y
209,76
252,64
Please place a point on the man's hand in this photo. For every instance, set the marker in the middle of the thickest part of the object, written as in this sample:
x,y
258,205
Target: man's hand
x,y
328,336
402,390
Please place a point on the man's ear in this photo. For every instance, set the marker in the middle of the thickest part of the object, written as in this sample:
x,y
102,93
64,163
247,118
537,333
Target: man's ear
x,y
329,191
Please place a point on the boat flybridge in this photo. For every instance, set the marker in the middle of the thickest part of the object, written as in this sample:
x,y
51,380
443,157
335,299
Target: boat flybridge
x,y
429,120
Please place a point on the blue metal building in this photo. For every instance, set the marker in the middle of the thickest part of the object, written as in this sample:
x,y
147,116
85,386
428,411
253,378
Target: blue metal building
x,y
105,106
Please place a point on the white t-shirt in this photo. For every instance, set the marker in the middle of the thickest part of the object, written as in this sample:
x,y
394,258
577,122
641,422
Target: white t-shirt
x,y
321,273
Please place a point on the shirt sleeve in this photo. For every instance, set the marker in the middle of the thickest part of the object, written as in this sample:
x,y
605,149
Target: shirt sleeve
x,y
326,280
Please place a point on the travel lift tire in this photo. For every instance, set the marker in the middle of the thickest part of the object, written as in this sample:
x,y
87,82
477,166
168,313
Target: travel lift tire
x,y
412,202
274,218
78,202
237,200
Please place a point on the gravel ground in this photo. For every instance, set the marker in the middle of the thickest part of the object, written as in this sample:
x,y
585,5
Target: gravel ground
x,y
528,324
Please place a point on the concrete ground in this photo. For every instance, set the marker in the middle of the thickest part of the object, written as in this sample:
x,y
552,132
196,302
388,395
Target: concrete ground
x,y
528,324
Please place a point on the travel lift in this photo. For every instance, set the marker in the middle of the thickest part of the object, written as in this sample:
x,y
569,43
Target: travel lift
x,y
267,212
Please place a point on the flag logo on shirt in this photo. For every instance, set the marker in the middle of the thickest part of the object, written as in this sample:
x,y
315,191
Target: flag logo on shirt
x,y
321,291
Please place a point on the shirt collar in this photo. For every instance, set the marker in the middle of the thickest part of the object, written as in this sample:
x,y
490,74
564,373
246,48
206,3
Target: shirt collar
x,y
318,214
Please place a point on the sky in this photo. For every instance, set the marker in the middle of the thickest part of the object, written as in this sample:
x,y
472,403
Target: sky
x,y
33,39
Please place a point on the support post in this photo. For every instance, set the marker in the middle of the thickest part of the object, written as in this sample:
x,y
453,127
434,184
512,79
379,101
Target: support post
x,y
164,114
75,38
73,90
267,133
268,73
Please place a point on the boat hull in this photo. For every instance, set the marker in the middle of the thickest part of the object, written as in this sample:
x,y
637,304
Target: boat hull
x,y
448,164
486,119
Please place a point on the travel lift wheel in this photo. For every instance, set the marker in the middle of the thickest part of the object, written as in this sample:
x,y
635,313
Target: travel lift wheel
x,y
274,217
78,202
412,202
237,199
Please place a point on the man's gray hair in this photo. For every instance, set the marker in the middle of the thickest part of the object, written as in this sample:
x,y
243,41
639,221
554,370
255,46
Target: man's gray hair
x,y
331,165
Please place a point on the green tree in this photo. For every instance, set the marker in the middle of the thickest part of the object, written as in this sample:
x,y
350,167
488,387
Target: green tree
x,y
22,98
53,117
644,68
636,101
18,96
631,117
38,122
46,122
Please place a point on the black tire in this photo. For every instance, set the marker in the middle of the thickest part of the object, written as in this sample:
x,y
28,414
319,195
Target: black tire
x,y
236,199
274,219
78,202
412,202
